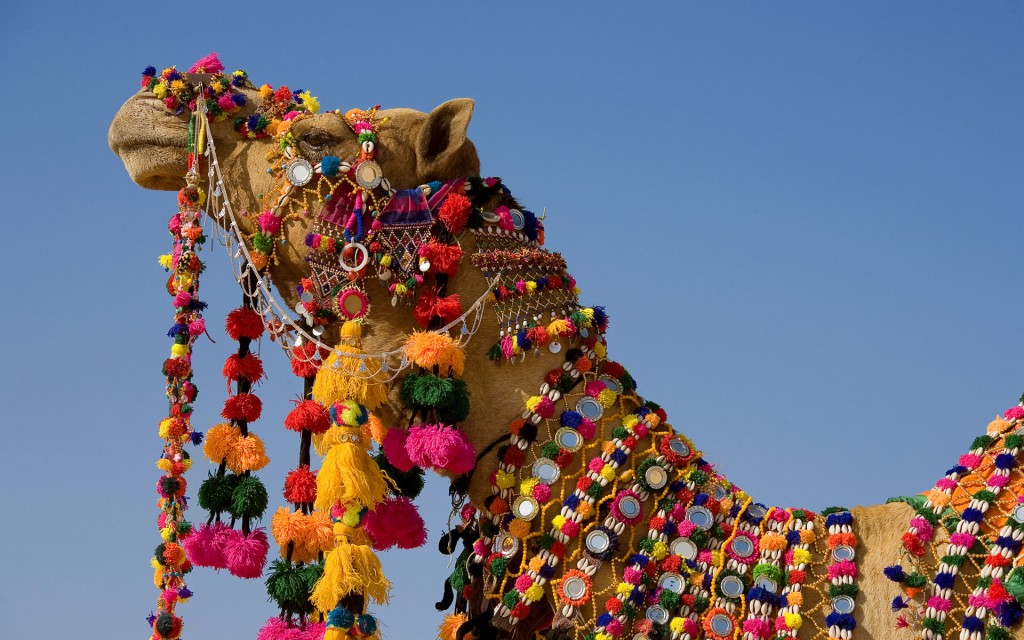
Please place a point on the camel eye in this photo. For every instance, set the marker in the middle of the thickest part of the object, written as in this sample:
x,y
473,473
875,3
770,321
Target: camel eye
x,y
315,143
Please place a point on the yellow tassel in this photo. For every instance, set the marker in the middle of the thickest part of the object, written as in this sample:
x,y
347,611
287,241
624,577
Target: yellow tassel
x,y
349,474
350,568
334,633
450,626
346,376
428,349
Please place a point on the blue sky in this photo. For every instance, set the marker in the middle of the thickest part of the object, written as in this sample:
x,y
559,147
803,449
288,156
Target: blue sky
x,y
803,218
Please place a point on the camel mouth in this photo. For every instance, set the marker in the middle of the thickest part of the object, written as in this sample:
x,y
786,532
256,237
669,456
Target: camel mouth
x,y
151,141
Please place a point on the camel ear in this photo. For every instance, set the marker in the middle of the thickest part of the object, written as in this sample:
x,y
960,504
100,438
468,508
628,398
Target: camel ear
x,y
443,136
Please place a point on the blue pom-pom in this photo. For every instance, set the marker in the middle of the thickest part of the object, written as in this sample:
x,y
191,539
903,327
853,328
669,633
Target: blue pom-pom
x,y
547,571
197,305
957,469
330,166
706,583
636,596
151,618
1005,461
238,99
841,620
177,329
237,81
642,411
600,317
973,623
340,617
1009,613
252,122
701,499
174,75
530,224
638,559
149,71
571,419
839,518
367,625
944,580
971,514
1008,542
524,343
670,529
895,573
542,283
572,501
185,592
618,456
898,603
604,619
676,486
793,537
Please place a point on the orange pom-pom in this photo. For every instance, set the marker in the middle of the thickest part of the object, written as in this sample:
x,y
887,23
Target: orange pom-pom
x,y
247,454
428,349
219,441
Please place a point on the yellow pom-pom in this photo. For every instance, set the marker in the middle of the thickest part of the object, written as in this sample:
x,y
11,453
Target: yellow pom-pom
x,y
630,421
608,473
624,589
531,286
607,398
166,533
534,593
801,556
677,625
559,327
660,550
794,620
312,104
505,480
533,401
526,486
600,350
179,350
164,465
349,475
717,557
386,260
165,261
160,90
266,91
558,521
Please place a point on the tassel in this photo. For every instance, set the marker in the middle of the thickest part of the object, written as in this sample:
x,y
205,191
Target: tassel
x,y
349,474
347,376
450,626
428,349
350,568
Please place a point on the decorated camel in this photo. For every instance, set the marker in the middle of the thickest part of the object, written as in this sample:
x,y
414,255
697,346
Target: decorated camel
x,y
428,323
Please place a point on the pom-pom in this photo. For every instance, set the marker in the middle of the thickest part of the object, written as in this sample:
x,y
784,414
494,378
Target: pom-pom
x,y
444,258
204,548
395,522
306,359
215,492
450,626
246,555
244,406
249,499
429,349
220,440
440,447
300,486
309,415
247,453
330,165
454,212
249,367
210,63
243,322
448,308
394,449
276,628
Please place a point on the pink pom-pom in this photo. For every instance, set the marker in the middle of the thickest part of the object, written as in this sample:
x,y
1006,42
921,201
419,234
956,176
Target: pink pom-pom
x,y
204,547
541,492
946,484
587,428
174,225
394,450
998,481
182,298
614,627
505,216
170,595
197,327
314,631
970,460
395,522
440,447
690,627
632,575
595,387
246,555
226,103
596,464
1014,413
755,626
210,63
524,582
270,223
278,629
937,602
961,539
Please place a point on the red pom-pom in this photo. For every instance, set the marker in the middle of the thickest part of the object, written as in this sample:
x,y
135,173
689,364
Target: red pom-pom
x,y
300,486
250,367
309,415
454,212
244,406
444,258
395,522
177,367
429,305
614,369
243,322
306,359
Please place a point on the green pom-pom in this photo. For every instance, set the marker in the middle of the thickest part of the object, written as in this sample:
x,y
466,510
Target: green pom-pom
x,y
550,450
1013,441
985,496
457,407
215,492
953,561
996,633
984,583
698,477
312,573
407,483
262,242
164,624
458,577
669,599
595,490
546,540
628,383
498,567
620,432
700,604
158,553
667,504
836,590
829,511
699,537
981,442
929,515
646,544
288,586
494,353
717,531
489,529
933,625
249,499
510,599
768,571
566,383
628,610
915,580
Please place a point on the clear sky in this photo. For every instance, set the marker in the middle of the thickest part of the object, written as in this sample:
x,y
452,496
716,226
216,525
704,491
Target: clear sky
x,y
804,219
